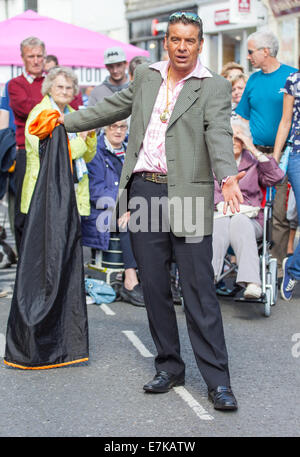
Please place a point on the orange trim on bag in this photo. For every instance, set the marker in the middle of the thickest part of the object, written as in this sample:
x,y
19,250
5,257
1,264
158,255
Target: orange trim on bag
x,y
46,367
44,124
12,168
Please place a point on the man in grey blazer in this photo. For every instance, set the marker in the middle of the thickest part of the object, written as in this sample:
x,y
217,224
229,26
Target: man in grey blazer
x,y
180,134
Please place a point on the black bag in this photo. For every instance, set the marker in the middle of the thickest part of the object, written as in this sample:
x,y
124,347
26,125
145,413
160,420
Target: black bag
x,y
47,325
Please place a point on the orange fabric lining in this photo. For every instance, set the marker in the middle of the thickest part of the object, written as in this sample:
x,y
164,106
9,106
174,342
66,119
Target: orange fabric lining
x,y
12,168
46,367
44,124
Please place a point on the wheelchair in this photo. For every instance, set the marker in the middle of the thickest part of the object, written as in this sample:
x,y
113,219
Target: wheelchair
x,y
268,265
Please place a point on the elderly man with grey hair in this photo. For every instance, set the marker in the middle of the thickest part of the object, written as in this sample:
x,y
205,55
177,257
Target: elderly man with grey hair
x,y
24,93
261,106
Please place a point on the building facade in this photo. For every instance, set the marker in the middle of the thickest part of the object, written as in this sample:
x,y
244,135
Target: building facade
x,y
284,20
226,24
107,18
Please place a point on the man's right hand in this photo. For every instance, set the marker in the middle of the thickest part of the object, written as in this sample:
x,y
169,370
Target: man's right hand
x,y
232,193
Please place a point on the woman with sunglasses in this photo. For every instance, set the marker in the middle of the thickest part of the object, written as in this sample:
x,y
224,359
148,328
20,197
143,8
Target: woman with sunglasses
x,y
289,128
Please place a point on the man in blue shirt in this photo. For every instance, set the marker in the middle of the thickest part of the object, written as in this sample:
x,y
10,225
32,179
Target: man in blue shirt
x,y
261,105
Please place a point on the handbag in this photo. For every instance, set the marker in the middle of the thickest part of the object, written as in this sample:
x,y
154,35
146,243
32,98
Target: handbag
x,y
100,291
283,164
250,211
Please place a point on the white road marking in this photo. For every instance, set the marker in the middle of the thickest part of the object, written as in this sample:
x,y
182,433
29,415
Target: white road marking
x,y
2,344
180,390
196,407
137,343
107,310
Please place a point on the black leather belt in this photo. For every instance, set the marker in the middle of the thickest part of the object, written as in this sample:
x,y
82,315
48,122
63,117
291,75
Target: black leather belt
x,y
155,177
265,149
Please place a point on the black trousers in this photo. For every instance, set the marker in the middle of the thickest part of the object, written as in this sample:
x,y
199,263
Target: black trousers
x,y
154,252
20,218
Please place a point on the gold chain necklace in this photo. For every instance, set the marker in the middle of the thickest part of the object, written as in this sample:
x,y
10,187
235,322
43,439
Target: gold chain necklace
x,y
165,114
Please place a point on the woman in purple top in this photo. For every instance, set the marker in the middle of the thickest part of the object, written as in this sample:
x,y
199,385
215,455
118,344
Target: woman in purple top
x,y
241,230
290,127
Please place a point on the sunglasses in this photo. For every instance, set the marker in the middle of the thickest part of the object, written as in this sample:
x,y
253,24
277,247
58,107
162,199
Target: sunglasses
x,y
187,15
250,51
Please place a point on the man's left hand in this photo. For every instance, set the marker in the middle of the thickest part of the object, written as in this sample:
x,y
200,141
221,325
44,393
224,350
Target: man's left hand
x,y
232,193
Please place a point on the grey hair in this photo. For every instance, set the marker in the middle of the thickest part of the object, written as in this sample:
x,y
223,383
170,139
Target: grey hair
x,y
265,39
122,120
137,60
32,42
242,125
68,73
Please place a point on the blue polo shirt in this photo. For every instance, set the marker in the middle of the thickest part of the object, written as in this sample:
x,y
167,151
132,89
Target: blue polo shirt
x,y
261,103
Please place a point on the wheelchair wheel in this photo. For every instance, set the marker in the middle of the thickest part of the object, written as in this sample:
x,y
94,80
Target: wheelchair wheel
x,y
116,285
274,279
268,302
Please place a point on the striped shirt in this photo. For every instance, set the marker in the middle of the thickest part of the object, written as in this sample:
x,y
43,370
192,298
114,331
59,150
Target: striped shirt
x,y
152,155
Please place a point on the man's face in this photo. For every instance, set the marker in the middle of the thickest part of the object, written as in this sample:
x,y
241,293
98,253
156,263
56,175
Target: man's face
x,y
49,65
33,58
183,46
256,55
117,71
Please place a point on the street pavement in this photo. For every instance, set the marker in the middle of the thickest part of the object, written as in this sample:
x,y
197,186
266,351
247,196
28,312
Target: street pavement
x,y
104,397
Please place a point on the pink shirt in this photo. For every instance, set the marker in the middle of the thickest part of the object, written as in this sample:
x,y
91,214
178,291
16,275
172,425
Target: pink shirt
x,y
152,155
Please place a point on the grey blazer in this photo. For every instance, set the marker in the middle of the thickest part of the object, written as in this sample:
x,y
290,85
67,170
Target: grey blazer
x,y
198,141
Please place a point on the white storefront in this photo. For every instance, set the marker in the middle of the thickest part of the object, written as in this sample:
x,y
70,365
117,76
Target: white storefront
x,y
284,20
227,25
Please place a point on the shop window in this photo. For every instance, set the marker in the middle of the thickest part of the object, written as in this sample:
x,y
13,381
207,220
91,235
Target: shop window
x,y
231,47
30,5
213,53
153,48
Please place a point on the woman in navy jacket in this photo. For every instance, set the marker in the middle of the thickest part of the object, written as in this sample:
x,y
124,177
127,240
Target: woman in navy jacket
x,y
104,176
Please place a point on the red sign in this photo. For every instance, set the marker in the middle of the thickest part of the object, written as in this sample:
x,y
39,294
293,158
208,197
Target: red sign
x,y
153,27
222,17
244,6
158,27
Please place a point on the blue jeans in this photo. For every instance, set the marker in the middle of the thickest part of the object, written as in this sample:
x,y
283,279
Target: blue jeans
x,y
293,171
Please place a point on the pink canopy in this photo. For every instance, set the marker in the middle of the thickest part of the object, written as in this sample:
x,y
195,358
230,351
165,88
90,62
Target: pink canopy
x,y
73,45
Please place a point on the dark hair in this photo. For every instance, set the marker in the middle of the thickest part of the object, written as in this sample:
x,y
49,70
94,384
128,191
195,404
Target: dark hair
x,y
137,60
186,17
51,58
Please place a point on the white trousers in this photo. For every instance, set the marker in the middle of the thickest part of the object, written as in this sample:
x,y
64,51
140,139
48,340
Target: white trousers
x,y
240,232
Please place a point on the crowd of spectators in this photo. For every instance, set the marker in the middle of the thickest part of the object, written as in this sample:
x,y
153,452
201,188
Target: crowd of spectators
x,y
257,107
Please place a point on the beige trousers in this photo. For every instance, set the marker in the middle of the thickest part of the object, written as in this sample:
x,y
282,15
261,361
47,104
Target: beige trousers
x,y
241,233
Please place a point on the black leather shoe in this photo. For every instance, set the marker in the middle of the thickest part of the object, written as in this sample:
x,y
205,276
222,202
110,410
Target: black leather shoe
x,y
163,382
134,296
223,398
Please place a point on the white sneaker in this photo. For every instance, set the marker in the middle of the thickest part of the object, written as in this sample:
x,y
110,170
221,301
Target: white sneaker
x,y
252,291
